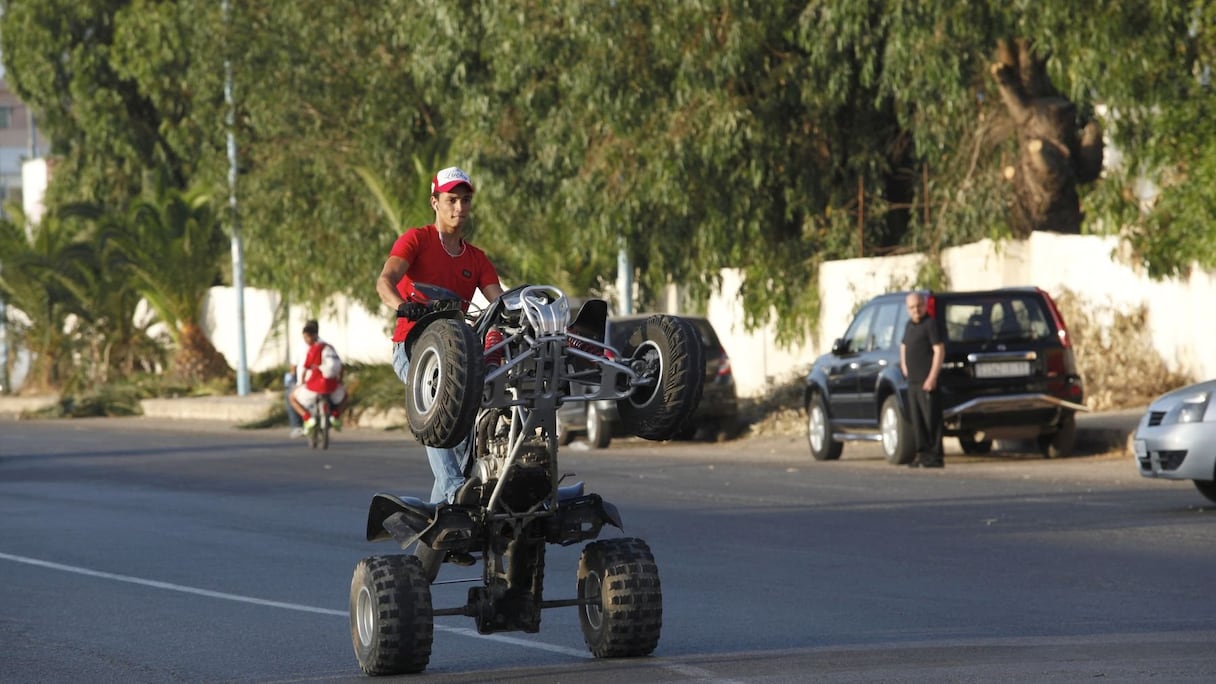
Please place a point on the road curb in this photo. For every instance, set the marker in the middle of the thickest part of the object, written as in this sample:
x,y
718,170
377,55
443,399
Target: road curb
x,y
15,406
232,409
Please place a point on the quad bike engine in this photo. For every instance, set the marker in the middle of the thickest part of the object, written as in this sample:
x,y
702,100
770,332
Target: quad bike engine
x,y
529,481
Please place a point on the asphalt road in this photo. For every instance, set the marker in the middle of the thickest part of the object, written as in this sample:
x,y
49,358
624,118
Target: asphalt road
x,y
134,550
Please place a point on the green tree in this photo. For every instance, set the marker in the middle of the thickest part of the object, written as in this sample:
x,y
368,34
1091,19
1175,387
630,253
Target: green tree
x,y
697,135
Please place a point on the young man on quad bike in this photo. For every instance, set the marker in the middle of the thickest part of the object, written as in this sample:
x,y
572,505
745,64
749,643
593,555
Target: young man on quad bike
x,y
439,255
321,374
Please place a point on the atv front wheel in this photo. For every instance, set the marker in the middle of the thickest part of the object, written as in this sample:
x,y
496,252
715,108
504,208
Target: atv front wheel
x,y
445,383
672,362
623,613
391,622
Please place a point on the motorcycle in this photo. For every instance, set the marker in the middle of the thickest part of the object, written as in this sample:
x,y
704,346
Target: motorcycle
x,y
322,410
497,377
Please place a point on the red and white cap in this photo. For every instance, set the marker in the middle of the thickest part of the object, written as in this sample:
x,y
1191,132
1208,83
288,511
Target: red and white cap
x,y
449,178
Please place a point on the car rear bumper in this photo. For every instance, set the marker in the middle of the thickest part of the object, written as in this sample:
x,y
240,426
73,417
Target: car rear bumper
x,y
1033,413
1011,402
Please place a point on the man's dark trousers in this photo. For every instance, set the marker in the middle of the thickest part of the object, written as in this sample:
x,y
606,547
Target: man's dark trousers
x,y
925,411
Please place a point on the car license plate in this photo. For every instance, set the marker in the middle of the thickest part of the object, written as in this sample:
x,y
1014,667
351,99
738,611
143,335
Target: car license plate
x,y
1002,369
1140,448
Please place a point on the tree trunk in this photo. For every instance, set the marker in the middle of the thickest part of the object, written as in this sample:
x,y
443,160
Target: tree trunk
x,y
196,359
1056,153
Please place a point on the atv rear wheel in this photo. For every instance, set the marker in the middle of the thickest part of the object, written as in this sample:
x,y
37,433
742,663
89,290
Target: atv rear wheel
x,y
446,376
391,622
671,358
624,611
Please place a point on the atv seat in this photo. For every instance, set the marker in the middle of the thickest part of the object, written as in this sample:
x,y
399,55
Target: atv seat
x,y
570,491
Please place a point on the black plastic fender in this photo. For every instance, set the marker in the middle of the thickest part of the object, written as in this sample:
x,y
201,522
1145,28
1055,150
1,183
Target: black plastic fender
x,y
891,382
420,325
816,382
443,527
415,513
580,518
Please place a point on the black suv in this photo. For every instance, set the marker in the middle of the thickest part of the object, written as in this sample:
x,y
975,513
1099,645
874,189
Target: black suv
x,y
717,413
1009,373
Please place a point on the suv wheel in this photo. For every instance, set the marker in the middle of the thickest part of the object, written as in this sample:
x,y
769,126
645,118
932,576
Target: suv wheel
x,y
896,433
564,435
819,431
1060,443
599,432
971,445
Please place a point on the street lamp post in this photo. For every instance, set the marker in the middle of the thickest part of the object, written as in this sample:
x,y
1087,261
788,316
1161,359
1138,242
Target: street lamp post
x,y
238,260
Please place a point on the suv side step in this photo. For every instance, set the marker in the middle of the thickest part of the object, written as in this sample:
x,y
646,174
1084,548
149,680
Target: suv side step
x,y
856,437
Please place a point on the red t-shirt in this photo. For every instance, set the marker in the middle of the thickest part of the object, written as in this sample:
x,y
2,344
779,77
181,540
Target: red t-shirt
x,y
313,379
430,263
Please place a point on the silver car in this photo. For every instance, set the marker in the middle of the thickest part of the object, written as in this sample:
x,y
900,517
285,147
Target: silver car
x,y
1176,438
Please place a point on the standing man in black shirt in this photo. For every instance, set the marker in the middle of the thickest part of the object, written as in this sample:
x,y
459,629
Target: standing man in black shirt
x,y
920,358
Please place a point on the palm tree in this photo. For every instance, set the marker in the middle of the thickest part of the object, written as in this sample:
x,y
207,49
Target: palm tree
x,y
402,215
172,244
41,267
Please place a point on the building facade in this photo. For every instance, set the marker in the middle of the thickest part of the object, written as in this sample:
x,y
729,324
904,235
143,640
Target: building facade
x,y
16,142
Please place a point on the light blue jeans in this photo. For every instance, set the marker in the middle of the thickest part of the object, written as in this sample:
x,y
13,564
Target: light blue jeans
x,y
447,464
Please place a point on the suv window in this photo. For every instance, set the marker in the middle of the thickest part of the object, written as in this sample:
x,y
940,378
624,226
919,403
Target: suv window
x,y
884,326
624,334
709,339
1010,317
857,339
619,333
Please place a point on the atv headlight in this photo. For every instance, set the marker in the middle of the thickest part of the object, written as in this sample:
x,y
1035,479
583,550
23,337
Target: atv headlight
x,y
1190,410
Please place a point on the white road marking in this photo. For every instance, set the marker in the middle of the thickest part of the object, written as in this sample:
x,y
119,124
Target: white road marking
x,y
562,650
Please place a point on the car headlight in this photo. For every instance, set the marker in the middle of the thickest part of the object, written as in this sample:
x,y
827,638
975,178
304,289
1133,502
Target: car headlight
x,y
1189,410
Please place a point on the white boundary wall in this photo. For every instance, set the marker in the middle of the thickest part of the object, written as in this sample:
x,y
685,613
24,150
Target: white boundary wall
x,y
1089,266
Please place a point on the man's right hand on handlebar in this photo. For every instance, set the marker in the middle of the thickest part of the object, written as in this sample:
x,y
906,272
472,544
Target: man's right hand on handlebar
x,y
412,310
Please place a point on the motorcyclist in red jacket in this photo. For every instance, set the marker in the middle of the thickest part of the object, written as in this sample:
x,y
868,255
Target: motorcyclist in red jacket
x,y
321,374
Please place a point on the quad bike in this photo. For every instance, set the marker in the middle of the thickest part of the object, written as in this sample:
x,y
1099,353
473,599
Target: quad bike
x,y
321,410
499,382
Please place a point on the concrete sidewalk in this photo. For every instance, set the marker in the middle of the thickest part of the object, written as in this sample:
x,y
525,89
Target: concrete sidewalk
x,y
232,409
1096,432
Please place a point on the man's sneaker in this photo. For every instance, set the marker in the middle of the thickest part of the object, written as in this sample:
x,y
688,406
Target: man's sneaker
x,y
310,424
297,432
335,423
469,493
